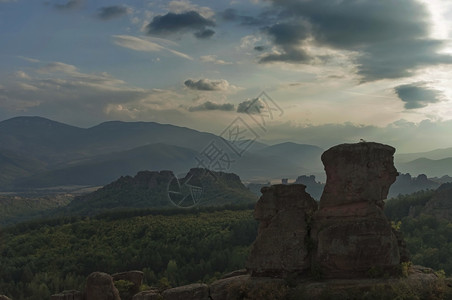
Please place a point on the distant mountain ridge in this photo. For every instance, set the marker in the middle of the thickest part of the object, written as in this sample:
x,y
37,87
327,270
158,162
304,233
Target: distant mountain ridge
x,y
49,153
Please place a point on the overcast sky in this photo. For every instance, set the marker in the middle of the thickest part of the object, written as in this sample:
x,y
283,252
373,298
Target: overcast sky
x,y
334,70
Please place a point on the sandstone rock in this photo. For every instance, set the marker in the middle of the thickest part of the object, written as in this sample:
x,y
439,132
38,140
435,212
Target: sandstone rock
x,y
350,230
68,295
99,286
252,288
3,297
196,291
136,277
227,289
148,295
284,212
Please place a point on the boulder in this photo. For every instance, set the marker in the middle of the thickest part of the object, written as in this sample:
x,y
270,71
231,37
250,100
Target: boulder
x,y
3,297
99,286
350,230
284,212
136,277
148,295
195,291
251,288
67,295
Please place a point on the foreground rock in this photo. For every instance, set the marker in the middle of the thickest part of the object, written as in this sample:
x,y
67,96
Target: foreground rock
x,y
196,291
3,297
351,232
135,277
99,286
284,212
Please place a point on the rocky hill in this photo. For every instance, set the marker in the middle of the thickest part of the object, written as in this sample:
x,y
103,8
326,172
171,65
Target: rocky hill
x,y
199,187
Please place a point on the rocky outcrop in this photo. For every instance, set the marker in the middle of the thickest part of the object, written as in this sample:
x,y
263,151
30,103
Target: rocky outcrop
x,y
136,277
67,295
284,212
350,230
196,291
3,297
99,286
148,295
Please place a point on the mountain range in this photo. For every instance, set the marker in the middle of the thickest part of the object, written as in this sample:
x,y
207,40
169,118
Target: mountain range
x,y
38,153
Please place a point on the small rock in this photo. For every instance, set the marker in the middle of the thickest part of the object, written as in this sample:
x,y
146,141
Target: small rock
x,y
148,295
136,277
99,286
196,291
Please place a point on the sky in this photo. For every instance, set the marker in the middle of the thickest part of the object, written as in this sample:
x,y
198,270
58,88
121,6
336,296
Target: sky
x,y
317,72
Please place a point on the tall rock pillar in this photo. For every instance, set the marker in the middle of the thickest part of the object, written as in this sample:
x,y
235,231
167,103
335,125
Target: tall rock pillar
x,y
350,229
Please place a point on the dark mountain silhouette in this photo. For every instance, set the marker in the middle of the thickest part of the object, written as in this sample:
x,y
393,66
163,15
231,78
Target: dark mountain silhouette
x,y
102,169
434,154
430,167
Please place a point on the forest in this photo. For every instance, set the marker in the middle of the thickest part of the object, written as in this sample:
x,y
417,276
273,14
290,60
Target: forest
x,y
172,247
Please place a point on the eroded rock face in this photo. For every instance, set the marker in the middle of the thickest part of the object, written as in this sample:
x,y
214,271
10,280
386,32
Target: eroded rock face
x,y
136,277
351,231
195,291
3,297
99,286
284,212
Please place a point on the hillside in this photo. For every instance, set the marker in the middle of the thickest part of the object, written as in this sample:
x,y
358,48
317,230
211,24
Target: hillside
x,y
102,169
162,189
171,247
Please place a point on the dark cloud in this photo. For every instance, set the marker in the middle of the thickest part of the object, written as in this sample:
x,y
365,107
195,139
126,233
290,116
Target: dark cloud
x,y
416,95
181,22
70,5
289,36
207,85
259,48
204,34
390,37
208,105
252,106
111,12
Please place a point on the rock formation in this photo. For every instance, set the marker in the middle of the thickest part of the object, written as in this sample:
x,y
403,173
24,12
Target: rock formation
x,y
136,277
280,248
350,230
99,286
3,297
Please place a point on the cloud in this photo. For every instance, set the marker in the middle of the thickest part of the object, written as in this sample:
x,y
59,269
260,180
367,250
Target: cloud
x,y
208,105
232,14
143,45
61,91
173,23
259,48
385,39
290,37
208,85
252,106
181,6
204,34
214,59
417,95
112,12
70,5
